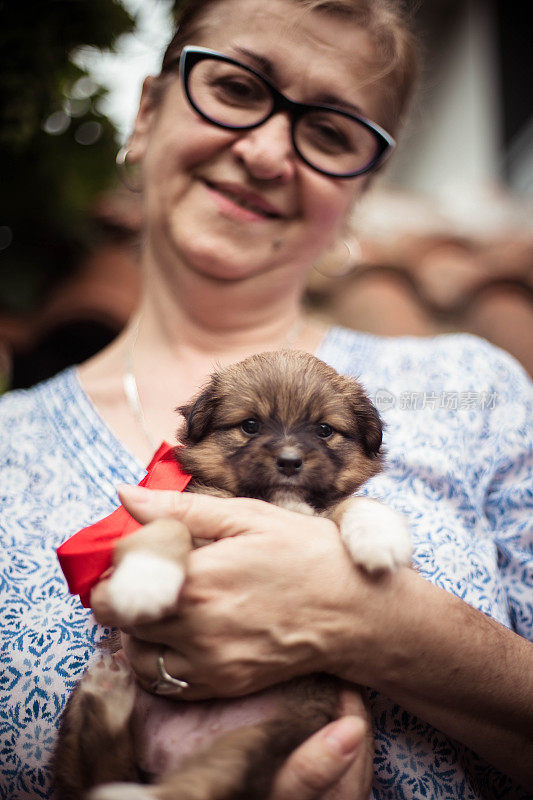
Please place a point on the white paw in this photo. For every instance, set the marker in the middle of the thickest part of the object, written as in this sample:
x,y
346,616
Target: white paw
x,y
120,791
376,536
112,682
144,587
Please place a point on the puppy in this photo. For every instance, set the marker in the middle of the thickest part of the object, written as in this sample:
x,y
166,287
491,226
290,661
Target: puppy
x,y
282,427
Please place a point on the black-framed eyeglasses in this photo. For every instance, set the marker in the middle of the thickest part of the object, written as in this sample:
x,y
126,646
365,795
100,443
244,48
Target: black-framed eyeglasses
x,y
237,97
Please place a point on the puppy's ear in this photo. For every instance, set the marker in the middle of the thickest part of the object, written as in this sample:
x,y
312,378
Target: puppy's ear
x,y
199,414
369,425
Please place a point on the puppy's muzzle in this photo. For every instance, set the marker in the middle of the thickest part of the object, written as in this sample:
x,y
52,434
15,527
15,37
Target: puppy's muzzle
x,y
289,461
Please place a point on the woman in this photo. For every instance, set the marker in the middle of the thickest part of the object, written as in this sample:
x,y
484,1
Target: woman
x,y
238,205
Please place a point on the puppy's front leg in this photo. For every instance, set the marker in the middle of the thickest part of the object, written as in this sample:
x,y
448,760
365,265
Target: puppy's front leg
x,y
377,537
149,569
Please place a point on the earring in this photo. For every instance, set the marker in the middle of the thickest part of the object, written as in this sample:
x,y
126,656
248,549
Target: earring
x,y
331,266
122,169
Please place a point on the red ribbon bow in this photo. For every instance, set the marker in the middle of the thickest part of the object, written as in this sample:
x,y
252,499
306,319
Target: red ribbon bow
x,y
88,554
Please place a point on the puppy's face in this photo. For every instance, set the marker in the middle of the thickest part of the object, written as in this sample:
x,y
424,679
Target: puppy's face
x,y
282,422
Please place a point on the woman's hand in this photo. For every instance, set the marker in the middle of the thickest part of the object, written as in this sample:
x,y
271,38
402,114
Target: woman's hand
x,y
236,631
320,763
254,610
339,758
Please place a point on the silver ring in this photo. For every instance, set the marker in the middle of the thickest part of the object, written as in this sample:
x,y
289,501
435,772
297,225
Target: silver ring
x,y
166,684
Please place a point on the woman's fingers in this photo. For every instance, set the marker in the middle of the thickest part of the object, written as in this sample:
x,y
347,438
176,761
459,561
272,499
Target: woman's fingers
x,y
101,605
241,602
321,762
206,517
339,757
143,659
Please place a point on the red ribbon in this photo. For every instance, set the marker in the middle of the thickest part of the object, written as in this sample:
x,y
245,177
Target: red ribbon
x,y
88,554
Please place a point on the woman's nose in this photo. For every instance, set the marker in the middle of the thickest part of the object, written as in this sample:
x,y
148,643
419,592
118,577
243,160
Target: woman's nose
x,y
267,151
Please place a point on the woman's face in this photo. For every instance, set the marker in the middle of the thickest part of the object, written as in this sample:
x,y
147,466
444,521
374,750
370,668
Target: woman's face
x,y
230,204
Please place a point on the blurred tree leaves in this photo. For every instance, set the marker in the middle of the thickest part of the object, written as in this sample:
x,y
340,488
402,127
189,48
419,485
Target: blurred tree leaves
x,y
56,150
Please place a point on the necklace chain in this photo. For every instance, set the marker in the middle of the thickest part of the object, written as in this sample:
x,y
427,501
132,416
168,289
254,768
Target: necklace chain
x,y
131,389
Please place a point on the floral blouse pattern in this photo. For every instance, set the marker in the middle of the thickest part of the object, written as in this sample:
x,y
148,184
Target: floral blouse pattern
x,y
459,466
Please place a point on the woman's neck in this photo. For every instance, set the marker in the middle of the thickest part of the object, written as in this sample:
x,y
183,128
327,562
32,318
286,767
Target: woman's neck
x,y
219,318
179,336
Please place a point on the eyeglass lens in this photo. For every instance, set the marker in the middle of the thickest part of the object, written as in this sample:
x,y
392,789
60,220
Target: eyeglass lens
x,y
232,96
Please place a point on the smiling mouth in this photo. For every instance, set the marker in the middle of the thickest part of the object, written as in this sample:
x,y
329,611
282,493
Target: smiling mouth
x,y
243,202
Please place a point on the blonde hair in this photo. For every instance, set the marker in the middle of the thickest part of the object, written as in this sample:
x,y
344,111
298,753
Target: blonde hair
x,y
395,63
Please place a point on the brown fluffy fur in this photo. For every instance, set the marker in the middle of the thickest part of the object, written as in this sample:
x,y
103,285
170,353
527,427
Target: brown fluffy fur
x,y
290,395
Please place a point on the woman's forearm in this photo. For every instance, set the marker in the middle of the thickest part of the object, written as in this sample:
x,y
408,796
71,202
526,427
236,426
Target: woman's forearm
x,y
455,668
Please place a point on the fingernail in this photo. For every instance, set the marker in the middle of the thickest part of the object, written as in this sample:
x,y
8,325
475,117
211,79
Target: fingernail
x,y
139,494
345,735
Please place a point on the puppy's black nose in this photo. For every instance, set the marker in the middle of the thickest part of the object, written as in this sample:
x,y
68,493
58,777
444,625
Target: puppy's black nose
x,y
288,463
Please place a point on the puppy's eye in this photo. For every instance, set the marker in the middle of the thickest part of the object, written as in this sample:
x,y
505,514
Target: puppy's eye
x,y
323,430
250,427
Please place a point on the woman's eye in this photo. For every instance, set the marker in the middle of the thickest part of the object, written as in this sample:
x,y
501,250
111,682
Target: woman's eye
x,y
331,136
327,136
329,133
250,427
324,431
237,90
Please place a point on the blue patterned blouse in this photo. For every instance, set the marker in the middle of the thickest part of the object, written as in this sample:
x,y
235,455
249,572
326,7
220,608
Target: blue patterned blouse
x,y
458,438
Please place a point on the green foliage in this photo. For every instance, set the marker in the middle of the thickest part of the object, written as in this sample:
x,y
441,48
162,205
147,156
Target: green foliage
x,y
51,167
